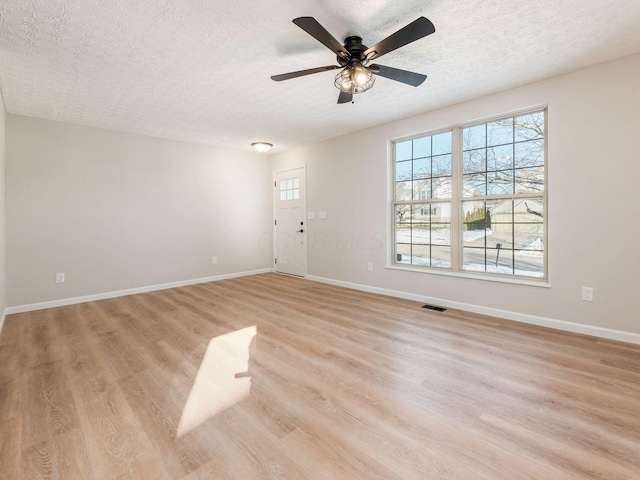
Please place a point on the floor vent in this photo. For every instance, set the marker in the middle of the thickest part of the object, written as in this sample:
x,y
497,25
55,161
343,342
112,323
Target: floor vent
x,y
433,307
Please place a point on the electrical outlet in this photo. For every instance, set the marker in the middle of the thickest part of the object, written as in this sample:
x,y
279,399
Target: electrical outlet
x,y
370,266
587,294
214,260
59,277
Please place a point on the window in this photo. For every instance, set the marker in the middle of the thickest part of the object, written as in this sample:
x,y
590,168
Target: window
x,y
290,189
477,205
423,173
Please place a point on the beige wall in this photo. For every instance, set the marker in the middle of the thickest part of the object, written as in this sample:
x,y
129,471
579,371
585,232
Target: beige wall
x,y
116,211
3,235
594,178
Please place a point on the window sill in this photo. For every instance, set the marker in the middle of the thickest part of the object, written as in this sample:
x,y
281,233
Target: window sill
x,y
486,277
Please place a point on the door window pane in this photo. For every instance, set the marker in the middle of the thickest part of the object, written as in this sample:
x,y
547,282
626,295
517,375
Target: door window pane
x,y
290,189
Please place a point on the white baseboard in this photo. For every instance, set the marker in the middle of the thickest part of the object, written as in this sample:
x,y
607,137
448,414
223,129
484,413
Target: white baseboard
x,y
601,332
132,291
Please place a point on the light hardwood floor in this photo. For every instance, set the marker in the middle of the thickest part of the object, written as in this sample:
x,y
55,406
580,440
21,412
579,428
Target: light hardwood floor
x,y
277,377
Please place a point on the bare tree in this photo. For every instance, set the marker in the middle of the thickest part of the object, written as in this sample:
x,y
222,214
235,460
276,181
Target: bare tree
x,y
505,156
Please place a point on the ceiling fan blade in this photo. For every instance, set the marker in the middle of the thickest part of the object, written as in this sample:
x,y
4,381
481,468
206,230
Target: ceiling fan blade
x,y
414,31
345,97
302,73
404,76
317,31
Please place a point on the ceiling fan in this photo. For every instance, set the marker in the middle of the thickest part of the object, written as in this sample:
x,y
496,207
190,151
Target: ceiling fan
x,y
357,75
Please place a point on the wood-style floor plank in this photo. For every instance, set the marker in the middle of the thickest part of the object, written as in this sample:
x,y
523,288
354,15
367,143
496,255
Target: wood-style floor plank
x,y
48,404
274,377
114,438
63,456
11,448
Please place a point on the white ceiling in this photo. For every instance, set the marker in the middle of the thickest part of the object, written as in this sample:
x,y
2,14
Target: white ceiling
x,y
198,70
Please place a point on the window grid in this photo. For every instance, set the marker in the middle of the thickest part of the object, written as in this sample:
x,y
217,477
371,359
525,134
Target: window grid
x,y
423,238
422,177
290,189
512,163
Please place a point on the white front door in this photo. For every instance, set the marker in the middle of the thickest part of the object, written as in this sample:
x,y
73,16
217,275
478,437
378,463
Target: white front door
x,y
290,222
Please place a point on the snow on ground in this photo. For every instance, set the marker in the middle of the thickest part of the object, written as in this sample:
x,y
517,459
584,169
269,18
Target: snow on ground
x,y
471,235
443,237
535,245
438,237
469,267
475,267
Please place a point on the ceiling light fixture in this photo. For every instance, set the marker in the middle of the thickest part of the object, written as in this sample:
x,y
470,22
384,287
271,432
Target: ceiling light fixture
x,y
262,147
354,78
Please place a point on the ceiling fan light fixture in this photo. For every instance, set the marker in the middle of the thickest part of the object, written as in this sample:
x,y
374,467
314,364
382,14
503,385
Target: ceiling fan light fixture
x,y
355,78
262,147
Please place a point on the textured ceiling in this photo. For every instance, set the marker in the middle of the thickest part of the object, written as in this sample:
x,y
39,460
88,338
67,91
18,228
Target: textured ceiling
x,y
198,70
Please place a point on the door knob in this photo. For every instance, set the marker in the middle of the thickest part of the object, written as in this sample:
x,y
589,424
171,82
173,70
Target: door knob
x,y
300,231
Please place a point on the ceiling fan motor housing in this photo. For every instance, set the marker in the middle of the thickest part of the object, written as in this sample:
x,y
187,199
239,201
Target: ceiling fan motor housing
x,y
356,50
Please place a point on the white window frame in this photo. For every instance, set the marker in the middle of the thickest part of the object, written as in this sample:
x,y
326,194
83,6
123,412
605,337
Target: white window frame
x,y
457,200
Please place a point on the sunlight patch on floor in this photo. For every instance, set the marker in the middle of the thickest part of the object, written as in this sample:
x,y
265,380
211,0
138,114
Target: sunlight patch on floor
x,y
222,381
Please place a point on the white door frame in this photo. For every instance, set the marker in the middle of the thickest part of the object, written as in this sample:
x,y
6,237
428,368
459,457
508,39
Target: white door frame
x,y
303,166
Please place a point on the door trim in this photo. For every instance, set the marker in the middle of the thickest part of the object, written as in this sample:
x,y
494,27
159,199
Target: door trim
x,y
303,166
